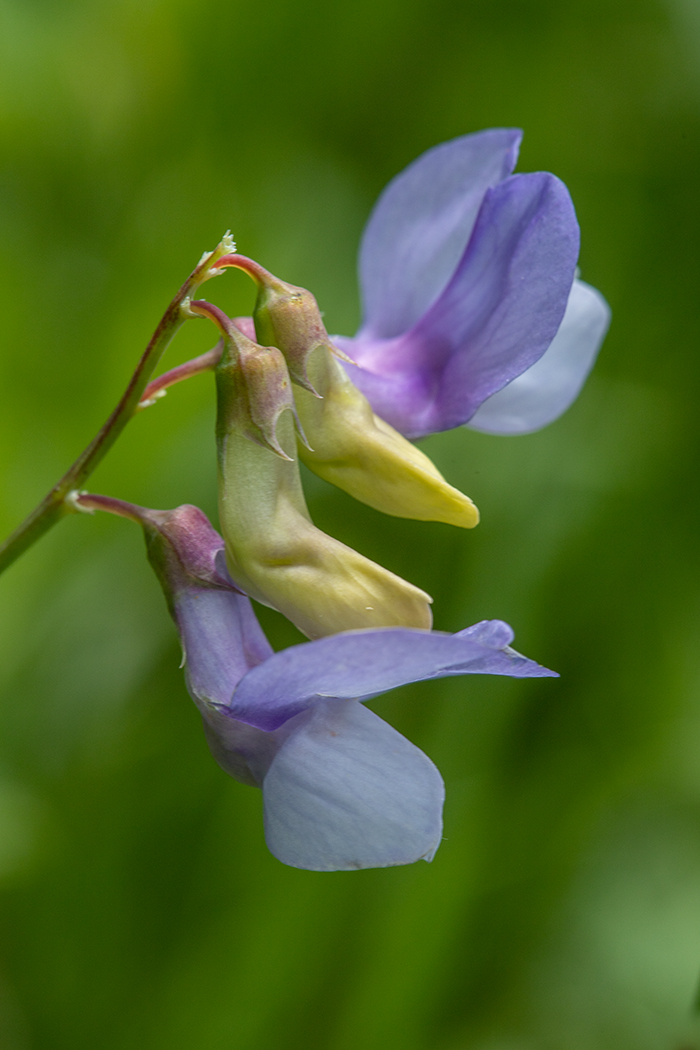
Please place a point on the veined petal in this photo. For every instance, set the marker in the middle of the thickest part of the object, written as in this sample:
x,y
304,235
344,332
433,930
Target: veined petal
x,y
497,316
362,664
346,791
421,224
540,395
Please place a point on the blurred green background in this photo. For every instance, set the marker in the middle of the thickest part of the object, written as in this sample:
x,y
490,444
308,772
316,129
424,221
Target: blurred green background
x,y
138,904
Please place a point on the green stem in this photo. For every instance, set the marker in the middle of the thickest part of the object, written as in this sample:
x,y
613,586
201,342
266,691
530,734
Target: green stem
x,y
54,505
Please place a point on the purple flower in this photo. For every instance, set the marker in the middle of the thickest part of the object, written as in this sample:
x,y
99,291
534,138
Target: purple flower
x,y
341,788
472,311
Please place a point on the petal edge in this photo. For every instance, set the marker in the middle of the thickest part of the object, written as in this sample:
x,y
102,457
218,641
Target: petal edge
x,y
347,791
422,222
543,392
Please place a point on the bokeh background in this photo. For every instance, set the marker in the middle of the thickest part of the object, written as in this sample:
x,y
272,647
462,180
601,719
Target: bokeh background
x,y
139,907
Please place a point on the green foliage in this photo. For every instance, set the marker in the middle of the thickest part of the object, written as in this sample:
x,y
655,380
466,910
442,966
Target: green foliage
x,y
138,905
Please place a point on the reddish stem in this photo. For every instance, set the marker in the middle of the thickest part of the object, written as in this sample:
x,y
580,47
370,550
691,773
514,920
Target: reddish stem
x,y
241,262
203,363
204,309
90,502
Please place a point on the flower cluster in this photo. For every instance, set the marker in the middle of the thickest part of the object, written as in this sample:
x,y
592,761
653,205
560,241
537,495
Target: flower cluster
x,y
473,314
341,788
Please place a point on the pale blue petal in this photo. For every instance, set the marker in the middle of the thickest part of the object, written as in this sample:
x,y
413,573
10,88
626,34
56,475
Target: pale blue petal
x,y
542,393
421,224
346,791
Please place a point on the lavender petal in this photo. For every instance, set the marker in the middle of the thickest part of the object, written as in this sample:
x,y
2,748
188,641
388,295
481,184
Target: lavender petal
x,y
242,751
421,224
497,316
363,664
222,640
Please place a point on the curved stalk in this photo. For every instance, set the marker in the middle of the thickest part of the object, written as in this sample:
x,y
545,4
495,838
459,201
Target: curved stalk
x,y
55,504
157,388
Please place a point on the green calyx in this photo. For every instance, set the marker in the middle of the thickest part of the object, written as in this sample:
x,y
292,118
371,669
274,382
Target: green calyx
x,y
254,389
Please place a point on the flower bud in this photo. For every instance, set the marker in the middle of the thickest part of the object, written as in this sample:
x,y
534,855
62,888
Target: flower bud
x,y
352,447
362,454
276,554
253,383
288,317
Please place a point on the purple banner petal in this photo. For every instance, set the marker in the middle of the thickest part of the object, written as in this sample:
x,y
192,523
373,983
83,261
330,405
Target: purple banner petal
x,y
496,317
421,224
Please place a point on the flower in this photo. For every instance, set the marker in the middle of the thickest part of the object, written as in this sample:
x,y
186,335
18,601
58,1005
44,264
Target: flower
x,y
341,788
472,310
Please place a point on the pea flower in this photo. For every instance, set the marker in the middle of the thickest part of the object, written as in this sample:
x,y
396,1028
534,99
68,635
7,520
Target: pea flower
x,y
341,788
472,310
